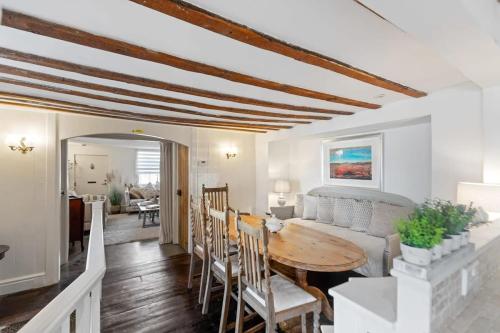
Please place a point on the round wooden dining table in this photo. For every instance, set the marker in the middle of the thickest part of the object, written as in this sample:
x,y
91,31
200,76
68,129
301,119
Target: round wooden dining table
x,y
306,249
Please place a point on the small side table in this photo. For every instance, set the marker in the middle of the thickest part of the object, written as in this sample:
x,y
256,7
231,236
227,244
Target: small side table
x,y
3,249
283,212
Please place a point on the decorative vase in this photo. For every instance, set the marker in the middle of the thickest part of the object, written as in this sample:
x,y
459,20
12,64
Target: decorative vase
x,y
465,237
415,255
456,241
274,224
437,252
447,245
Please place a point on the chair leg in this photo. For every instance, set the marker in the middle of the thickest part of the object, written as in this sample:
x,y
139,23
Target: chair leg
x,y
240,311
317,312
271,326
303,322
225,306
208,291
203,281
191,268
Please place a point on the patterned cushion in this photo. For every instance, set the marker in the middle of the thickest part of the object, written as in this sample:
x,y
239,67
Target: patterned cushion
x,y
134,194
299,205
326,207
385,216
310,208
342,214
361,215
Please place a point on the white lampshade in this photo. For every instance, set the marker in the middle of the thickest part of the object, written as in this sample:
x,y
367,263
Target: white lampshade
x,y
281,186
486,196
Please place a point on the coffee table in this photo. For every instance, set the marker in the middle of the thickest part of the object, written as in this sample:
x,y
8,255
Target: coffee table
x,y
151,211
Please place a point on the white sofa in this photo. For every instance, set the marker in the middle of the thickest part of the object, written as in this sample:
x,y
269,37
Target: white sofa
x,y
148,195
363,216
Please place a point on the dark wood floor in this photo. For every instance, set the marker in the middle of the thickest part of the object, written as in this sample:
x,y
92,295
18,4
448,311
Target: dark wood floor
x,y
144,290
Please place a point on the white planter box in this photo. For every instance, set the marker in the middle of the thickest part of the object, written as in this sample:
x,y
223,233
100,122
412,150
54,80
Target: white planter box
x,y
437,252
465,237
414,255
447,246
456,241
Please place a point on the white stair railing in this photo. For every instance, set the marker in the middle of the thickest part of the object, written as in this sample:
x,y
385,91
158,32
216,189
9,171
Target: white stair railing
x,y
83,296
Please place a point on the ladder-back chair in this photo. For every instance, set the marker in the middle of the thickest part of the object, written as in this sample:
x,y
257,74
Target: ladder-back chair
x,y
221,265
274,298
198,245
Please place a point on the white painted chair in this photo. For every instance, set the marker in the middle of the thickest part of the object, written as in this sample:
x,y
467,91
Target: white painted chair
x,y
221,265
198,246
274,298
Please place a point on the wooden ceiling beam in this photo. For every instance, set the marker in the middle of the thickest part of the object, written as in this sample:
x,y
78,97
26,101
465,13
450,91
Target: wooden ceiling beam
x,y
104,111
13,102
151,83
207,20
99,87
45,28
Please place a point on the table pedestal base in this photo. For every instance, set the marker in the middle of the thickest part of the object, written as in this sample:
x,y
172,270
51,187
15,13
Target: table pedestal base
x,y
301,281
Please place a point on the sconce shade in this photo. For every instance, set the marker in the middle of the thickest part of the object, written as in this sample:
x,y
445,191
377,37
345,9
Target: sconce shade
x,y
282,186
486,196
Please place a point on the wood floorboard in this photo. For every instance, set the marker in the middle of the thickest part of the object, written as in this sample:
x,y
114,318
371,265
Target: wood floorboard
x,y
144,290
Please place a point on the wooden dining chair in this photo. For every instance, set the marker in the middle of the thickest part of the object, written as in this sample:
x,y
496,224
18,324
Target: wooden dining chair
x,y
274,298
218,198
221,265
198,246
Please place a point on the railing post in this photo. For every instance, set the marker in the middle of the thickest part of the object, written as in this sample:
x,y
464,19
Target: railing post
x,y
83,315
95,302
65,325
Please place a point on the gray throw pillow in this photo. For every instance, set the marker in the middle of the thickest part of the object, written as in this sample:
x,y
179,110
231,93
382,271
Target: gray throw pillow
x,y
342,214
361,215
310,207
299,205
326,207
385,216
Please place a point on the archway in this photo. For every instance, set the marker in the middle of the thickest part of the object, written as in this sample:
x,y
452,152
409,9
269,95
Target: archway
x,y
177,155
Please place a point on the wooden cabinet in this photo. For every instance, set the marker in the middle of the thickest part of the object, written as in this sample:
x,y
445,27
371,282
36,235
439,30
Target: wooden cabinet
x,y
76,211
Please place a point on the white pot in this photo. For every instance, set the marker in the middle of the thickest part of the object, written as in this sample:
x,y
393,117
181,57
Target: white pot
x,y
274,226
456,241
447,246
437,252
465,237
415,255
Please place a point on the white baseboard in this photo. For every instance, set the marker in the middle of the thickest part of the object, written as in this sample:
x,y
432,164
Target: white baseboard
x,y
20,283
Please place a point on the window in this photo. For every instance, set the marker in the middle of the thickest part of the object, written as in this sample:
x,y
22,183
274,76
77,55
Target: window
x,y
147,166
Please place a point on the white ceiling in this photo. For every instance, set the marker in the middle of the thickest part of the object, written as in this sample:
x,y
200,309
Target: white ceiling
x,y
341,29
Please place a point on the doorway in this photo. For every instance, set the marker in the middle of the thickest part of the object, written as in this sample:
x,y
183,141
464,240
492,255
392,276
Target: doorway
x,y
88,169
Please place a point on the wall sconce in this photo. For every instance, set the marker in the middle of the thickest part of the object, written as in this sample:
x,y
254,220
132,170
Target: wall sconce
x,y
231,152
22,144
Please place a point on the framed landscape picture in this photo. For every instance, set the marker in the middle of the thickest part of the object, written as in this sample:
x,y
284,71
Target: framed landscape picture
x,y
353,162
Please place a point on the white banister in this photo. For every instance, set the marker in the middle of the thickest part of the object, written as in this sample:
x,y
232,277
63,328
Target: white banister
x,y
83,295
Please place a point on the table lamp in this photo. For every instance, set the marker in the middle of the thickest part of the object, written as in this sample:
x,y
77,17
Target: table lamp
x,y
281,186
486,196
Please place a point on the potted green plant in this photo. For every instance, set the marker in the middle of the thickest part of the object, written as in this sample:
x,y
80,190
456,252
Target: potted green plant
x,y
468,213
426,211
115,200
418,237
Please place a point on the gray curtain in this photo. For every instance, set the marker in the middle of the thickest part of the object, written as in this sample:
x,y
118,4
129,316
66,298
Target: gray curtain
x,y
168,207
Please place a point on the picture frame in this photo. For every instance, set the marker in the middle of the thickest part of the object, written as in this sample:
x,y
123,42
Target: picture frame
x,y
353,162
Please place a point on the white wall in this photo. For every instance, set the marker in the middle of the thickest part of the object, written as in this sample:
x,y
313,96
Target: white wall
x,y
491,120
29,209
30,183
121,161
406,171
238,172
456,142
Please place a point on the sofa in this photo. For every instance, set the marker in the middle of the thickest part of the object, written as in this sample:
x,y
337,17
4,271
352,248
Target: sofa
x,y
365,217
140,195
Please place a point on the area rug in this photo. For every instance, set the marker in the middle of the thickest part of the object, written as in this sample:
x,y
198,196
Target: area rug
x,y
124,228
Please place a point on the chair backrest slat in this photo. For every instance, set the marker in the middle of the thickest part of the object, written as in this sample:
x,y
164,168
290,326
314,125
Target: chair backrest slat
x,y
218,196
197,223
253,258
218,234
